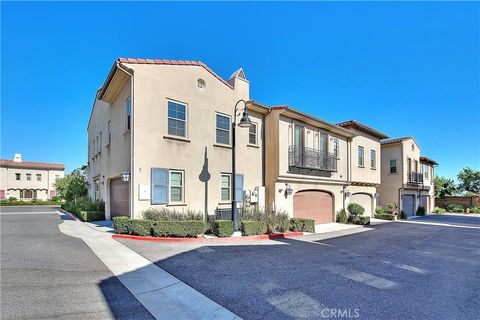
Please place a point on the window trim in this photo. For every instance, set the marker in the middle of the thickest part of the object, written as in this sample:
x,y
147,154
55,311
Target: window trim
x,y
28,176
182,200
39,175
229,175
18,176
254,125
167,134
229,129
128,114
361,165
390,166
109,132
336,151
374,159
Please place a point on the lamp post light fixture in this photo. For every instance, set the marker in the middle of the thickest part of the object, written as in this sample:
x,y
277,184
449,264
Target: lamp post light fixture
x,y
245,122
125,176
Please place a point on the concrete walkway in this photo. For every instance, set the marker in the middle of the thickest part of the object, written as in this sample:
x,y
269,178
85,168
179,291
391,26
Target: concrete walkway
x,y
163,295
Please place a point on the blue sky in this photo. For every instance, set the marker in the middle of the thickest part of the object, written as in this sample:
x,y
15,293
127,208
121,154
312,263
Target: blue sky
x,y
404,68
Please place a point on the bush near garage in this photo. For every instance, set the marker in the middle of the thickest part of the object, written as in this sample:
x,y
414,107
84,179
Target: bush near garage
x,y
361,220
86,209
342,216
302,225
91,216
276,221
420,211
165,214
385,216
355,209
222,228
180,229
251,228
121,224
139,227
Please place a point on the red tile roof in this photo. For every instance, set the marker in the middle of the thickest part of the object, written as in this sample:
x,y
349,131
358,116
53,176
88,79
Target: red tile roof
x,y
31,165
428,160
174,62
396,140
362,127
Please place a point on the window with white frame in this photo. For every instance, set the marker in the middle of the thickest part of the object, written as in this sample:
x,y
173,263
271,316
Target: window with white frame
x,y
176,186
252,134
39,177
17,176
225,187
97,189
222,129
128,114
426,169
360,156
373,159
29,176
393,166
100,142
177,119
335,147
109,132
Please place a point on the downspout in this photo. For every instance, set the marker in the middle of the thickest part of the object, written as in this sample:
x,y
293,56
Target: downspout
x,y
403,176
132,144
263,150
349,146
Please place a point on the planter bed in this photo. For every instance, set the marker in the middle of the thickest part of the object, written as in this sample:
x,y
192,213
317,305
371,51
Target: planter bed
x,y
202,239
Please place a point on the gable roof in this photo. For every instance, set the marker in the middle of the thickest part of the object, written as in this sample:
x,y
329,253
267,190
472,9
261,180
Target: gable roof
x,y
428,160
362,127
396,140
31,165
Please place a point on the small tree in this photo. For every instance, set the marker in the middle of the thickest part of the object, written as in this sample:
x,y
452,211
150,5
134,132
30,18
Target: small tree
x,y
444,187
73,185
355,209
469,180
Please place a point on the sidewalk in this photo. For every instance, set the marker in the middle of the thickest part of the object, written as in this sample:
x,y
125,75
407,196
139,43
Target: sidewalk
x,y
163,295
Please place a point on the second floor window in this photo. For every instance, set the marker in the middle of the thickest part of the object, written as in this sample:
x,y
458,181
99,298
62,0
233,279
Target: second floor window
x,y
373,159
393,166
335,147
360,157
128,112
109,132
39,177
17,176
223,129
176,119
29,176
225,187
252,134
425,171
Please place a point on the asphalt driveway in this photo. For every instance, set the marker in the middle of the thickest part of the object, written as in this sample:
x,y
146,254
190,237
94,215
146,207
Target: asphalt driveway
x,y
46,274
399,270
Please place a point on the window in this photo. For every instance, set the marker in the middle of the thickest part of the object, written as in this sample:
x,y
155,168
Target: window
x,y
360,157
335,147
109,132
252,134
100,142
176,186
57,177
373,159
393,166
28,194
21,194
39,177
176,119
128,111
94,148
97,150
223,129
97,189
239,187
29,176
225,187
34,194
159,186
17,176
425,170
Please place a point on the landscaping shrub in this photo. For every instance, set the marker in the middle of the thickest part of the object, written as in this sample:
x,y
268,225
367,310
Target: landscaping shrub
x,y
250,228
474,209
302,225
91,215
165,214
121,224
276,221
342,216
35,202
183,229
391,206
280,222
385,216
455,208
355,209
139,227
420,211
361,220
379,210
439,210
403,215
222,228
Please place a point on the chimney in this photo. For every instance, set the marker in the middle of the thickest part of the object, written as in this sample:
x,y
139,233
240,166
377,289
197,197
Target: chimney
x,y
17,158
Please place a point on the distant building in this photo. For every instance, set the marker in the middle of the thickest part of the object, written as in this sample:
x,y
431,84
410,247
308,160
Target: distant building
x,y
29,180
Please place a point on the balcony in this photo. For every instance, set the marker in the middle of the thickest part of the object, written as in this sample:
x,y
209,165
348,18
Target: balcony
x,y
310,161
415,177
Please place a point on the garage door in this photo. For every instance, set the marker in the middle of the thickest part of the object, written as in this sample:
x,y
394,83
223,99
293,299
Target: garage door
x,y
408,205
365,200
424,201
312,204
118,198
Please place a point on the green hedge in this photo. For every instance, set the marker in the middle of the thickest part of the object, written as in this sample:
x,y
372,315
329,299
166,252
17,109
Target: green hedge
x,y
361,220
439,210
4,203
182,229
222,228
250,228
139,227
355,209
385,216
121,224
302,225
91,215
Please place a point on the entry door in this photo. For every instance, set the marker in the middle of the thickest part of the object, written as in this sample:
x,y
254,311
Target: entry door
x,y
119,204
408,205
424,202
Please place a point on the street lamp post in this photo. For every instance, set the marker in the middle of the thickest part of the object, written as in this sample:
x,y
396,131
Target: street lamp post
x,y
245,122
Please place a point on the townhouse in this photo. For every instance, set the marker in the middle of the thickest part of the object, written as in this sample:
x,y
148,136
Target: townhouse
x,y
160,135
27,180
407,176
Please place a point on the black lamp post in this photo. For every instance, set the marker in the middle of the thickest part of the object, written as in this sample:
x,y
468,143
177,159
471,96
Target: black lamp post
x,y
245,122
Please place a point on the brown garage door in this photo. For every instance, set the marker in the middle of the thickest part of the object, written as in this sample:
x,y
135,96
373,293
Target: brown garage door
x,y
313,204
118,198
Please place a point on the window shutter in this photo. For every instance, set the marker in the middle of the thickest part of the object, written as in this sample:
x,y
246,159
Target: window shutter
x,y
239,187
159,192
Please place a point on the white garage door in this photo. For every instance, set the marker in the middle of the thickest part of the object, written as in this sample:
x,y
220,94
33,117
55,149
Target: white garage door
x,y
408,205
363,199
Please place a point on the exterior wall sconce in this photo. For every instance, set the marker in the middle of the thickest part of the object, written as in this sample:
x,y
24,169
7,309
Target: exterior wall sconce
x,y
125,176
288,189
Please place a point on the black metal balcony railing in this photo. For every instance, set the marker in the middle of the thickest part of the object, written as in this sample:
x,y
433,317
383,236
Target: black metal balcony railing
x,y
415,177
309,158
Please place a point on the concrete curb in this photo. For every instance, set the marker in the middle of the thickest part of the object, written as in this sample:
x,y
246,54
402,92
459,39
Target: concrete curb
x,y
71,215
203,240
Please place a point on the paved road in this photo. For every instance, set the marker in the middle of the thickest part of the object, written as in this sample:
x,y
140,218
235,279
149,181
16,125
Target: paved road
x,y
46,274
396,271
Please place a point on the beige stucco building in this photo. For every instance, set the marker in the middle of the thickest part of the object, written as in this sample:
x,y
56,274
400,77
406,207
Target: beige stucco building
x,y
168,125
25,180
407,177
